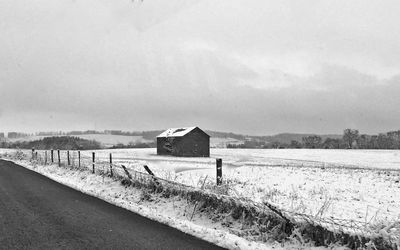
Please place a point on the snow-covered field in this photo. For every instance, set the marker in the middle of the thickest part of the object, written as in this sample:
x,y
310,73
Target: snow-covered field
x,y
217,142
174,211
373,159
360,185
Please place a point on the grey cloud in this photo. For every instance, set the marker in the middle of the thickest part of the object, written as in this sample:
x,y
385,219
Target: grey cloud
x,y
77,64
240,108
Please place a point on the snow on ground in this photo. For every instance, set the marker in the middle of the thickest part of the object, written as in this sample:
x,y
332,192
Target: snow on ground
x,y
175,212
373,159
342,184
218,142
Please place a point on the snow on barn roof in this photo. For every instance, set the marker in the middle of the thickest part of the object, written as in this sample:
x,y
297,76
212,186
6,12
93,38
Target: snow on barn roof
x,y
176,132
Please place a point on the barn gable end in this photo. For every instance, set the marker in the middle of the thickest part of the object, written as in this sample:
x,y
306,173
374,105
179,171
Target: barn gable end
x,y
188,142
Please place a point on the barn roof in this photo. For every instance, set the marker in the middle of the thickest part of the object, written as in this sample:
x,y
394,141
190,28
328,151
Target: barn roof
x,y
176,132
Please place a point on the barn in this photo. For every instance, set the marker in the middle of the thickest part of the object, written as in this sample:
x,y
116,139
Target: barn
x,y
188,142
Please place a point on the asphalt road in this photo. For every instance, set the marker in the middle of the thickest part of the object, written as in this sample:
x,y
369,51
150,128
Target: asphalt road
x,y
38,213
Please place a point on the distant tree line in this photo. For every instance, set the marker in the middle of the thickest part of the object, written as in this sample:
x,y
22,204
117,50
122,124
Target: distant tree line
x,y
14,135
148,135
351,139
62,142
135,145
225,135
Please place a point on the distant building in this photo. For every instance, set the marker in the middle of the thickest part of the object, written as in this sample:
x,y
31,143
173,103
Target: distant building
x,y
1,135
188,142
15,135
113,132
12,135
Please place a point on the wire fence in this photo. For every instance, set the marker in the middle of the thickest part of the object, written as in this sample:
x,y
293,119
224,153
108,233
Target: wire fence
x,y
84,160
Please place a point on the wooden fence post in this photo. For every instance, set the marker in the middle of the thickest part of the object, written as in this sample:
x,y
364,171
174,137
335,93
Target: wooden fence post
x,y
111,170
45,157
52,156
148,170
93,160
127,172
79,159
152,174
59,159
219,171
68,160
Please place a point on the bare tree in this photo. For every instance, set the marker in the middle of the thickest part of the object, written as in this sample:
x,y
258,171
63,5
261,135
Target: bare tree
x,y
312,141
350,136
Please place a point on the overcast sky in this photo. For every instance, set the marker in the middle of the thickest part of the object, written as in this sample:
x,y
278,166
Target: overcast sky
x,y
247,66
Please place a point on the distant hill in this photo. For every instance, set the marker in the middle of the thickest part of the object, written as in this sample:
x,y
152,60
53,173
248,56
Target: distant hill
x,y
57,142
288,137
217,134
141,139
281,138
218,139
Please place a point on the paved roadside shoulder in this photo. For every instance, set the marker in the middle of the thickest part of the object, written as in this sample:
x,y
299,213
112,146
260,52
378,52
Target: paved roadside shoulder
x,y
38,213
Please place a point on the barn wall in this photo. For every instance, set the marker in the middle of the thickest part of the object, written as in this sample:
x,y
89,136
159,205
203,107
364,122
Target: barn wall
x,y
196,144
167,146
161,143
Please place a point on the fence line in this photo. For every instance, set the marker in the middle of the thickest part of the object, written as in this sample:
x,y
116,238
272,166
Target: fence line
x,y
108,167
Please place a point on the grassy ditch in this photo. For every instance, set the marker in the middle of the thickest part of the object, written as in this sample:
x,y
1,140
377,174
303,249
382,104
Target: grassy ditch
x,y
259,222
